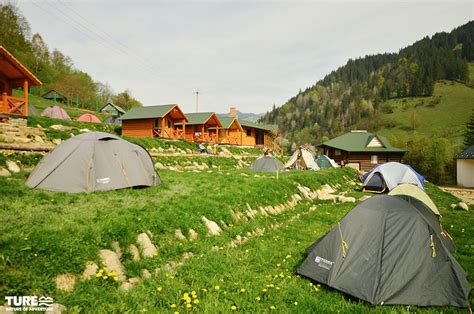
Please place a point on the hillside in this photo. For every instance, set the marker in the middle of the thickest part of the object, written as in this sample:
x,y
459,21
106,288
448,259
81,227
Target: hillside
x,y
354,93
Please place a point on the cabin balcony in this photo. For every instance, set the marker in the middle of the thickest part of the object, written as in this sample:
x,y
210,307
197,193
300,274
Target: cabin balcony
x,y
206,137
168,133
13,105
230,139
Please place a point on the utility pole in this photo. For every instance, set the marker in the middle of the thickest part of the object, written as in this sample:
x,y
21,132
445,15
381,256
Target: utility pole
x,y
197,100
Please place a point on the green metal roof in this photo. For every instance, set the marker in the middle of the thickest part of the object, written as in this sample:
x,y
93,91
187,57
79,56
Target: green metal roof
x,y
52,93
198,117
118,108
266,127
227,121
358,141
468,153
148,112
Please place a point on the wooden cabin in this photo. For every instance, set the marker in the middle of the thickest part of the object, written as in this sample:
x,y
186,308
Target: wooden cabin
x,y
55,96
13,75
155,121
202,127
112,110
361,150
231,131
255,134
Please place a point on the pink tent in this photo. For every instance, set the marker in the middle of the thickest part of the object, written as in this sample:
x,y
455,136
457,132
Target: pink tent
x,y
55,112
88,117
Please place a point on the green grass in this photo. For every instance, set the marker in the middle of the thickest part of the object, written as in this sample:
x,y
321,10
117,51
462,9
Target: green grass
x,y
45,234
444,114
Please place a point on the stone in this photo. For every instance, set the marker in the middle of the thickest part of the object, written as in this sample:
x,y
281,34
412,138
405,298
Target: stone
x,y
453,206
148,248
179,235
116,248
346,199
160,166
112,263
60,127
65,282
146,273
193,235
4,172
90,270
244,175
57,309
21,140
39,139
57,141
135,252
365,197
126,286
212,227
463,206
84,130
12,166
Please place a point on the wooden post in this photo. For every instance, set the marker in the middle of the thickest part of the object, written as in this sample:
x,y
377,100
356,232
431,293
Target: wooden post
x,y
55,98
163,127
3,108
184,128
25,93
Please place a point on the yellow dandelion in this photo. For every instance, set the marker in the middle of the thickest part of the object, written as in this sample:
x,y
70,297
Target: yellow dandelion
x,y
278,288
221,280
176,312
278,265
258,298
173,306
195,296
116,278
196,301
217,287
105,277
159,289
233,308
296,303
98,275
111,274
193,292
264,290
204,290
185,295
272,307
188,306
288,276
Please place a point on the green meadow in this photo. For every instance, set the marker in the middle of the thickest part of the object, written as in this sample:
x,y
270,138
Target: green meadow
x,y
45,234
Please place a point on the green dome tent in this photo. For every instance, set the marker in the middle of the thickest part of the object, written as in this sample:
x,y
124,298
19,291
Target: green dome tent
x,y
324,161
94,161
267,164
385,251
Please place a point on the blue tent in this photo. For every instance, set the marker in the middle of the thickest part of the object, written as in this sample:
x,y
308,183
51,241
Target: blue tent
x,y
389,175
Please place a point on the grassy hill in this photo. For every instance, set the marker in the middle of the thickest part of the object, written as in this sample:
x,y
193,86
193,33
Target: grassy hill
x,y
45,234
443,114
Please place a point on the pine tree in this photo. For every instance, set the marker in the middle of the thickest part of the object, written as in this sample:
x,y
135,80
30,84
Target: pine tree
x,y
469,133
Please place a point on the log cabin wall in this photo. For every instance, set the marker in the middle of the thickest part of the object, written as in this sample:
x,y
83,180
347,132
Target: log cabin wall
x,y
249,137
364,159
138,127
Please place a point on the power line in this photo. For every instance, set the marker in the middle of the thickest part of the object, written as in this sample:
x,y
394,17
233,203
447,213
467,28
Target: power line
x,y
66,19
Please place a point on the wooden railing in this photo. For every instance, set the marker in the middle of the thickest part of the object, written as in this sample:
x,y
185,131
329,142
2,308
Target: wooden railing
x,y
206,137
229,139
13,105
168,133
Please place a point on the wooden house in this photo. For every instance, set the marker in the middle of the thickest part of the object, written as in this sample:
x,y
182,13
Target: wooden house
x,y
361,150
55,96
201,127
112,110
155,121
231,131
465,167
255,134
13,75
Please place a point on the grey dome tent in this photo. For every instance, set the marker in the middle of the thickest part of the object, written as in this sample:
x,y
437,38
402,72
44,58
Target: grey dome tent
x,y
384,251
388,175
266,164
94,161
55,112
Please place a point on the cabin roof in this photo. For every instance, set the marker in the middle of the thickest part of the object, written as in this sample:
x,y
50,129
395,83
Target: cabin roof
x,y
50,95
468,153
14,71
266,127
200,118
111,104
358,141
150,112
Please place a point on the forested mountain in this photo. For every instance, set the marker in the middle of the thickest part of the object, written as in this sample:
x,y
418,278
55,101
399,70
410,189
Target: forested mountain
x,y
52,67
353,94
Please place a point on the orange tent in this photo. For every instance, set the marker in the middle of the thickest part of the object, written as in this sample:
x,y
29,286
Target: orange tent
x,y
88,117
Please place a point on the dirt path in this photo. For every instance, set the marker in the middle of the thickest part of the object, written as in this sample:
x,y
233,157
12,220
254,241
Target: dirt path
x,y
465,194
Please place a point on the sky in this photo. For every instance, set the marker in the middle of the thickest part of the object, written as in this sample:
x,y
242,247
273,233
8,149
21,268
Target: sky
x,y
247,54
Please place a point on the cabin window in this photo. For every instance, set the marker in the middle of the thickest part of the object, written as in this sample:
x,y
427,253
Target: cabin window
x,y
337,152
374,159
157,124
249,132
169,123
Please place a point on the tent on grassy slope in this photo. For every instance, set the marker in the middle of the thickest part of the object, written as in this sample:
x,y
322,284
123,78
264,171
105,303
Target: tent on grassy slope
x,y
389,175
88,117
414,191
55,112
94,161
324,161
266,164
384,251
302,160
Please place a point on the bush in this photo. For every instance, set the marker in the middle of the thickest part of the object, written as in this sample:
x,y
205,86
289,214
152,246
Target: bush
x,y
387,108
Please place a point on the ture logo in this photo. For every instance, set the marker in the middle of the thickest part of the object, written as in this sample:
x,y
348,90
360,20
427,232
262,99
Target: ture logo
x,y
324,263
29,303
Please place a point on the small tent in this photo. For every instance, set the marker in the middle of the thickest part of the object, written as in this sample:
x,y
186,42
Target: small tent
x,y
88,117
94,161
389,175
267,164
55,112
414,191
324,161
302,160
384,251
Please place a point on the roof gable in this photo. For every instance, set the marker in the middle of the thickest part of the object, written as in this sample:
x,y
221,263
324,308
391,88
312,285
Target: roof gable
x,y
227,122
52,93
150,112
468,153
15,71
203,118
112,107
